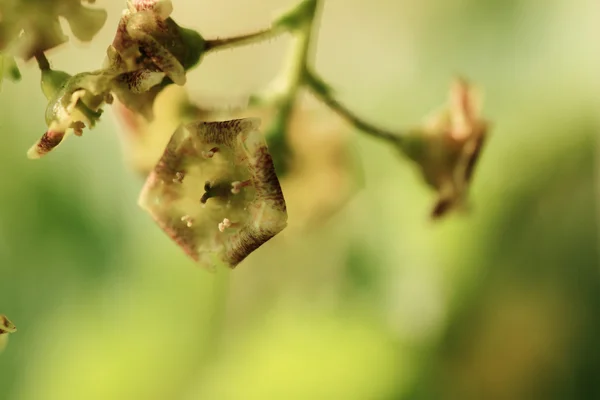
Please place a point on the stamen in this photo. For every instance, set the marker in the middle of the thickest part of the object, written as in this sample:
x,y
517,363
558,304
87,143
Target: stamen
x,y
227,224
210,153
237,186
189,221
78,128
179,177
224,225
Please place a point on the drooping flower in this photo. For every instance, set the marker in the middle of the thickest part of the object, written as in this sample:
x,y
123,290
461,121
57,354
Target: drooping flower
x,y
74,103
215,191
150,51
448,146
28,27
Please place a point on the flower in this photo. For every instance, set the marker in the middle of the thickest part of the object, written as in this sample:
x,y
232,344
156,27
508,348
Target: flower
x,y
150,51
28,27
448,146
74,103
6,327
215,192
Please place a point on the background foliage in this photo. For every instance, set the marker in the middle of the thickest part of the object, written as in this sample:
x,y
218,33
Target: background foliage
x,y
376,302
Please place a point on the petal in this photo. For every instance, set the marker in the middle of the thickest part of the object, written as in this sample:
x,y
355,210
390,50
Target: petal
x,y
161,8
85,22
160,56
47,142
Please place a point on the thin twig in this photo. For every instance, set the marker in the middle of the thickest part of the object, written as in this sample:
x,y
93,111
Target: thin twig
x,y
322,91
242,40
42,61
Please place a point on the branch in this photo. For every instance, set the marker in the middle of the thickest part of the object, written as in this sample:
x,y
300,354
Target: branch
x,y
242,40
42,61
322,91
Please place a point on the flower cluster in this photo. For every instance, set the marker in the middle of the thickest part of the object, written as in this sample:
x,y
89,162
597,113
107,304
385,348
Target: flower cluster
x,y
214,189
149,51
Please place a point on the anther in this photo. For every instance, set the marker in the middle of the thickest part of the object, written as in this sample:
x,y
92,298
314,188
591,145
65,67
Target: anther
x,y
237,186
210,153
189,221
224,225
227,224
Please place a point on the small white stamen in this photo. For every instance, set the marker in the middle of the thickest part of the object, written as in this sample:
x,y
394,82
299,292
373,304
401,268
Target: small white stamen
x,y
224,225
237,186
189,221
179,177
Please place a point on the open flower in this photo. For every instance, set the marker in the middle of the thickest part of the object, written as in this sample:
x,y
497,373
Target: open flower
x,y
74,103
215,191
150,51
28,27
6,327
448,146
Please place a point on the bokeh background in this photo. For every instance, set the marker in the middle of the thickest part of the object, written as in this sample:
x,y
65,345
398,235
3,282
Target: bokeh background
x,y
374,302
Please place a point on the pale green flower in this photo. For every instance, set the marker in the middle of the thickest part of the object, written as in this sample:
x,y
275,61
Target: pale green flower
x,y
215,191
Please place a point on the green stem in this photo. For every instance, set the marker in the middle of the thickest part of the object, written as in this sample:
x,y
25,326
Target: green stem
x,y
42,61
242,40
219,308
300,22
322,91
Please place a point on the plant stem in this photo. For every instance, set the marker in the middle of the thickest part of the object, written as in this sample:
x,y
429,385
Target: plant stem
x,y
301,23
322,91
42,61
242,40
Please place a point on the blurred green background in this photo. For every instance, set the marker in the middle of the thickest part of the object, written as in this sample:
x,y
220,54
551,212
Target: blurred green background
x,y
377,302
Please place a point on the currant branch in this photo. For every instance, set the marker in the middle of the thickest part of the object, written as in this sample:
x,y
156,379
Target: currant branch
x,y
300,22
445,149
151,51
